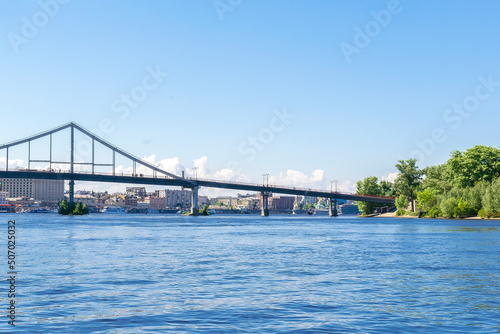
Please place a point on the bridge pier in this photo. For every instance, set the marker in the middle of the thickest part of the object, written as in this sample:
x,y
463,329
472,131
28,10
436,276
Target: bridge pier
x,y
332,212
71,192
194,202
264,204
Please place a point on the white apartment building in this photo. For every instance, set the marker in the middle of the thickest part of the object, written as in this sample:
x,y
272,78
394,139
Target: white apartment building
x,y
39,190
175,197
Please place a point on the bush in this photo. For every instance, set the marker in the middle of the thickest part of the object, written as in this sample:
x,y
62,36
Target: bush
x,y
80,209
400,212
491,198
482,213
426,200
474,196
204,211
449,207
401,203
463,208
434,212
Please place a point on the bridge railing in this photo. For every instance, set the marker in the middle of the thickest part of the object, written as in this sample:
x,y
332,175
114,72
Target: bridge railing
x,y
62,170
281,187
286,187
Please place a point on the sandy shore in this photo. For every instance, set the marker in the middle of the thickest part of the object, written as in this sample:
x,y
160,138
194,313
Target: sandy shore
x,y
393,214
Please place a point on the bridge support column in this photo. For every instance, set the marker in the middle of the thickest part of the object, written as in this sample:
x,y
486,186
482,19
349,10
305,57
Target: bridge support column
x,y
194,202
71,192
332,212
264,204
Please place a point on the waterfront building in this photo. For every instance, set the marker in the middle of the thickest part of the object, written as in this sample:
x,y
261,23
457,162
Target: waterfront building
x,y
21,201
88,200
310,199
202,200
175,198
3,197
281,202
250,203
142,205
84,192
136,191
130,201
156,203
45,191
227,201
115,201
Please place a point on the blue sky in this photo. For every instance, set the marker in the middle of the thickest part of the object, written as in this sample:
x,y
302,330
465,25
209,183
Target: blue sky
x,y
233,65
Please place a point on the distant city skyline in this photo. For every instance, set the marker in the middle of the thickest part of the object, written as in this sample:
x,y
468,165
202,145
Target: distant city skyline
x,y
306,93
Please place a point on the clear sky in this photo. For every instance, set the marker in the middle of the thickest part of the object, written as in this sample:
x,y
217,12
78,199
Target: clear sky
x,y
308,91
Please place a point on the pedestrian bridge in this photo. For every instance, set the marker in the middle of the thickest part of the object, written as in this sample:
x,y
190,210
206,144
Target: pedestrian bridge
x,y
86,166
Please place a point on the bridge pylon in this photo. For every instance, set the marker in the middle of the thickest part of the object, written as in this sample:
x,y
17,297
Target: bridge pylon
x,y
71,192
332,211
264,204
194,201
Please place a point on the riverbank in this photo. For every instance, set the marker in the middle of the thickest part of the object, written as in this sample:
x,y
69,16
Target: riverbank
x,y
393,214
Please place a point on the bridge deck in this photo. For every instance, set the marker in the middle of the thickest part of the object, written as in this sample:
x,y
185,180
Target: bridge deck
x,y
189,183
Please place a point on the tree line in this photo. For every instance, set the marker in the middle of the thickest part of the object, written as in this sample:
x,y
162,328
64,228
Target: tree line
x,y
467,185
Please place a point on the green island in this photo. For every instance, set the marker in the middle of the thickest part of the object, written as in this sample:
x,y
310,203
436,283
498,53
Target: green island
x,y
203,212
76,209
467,185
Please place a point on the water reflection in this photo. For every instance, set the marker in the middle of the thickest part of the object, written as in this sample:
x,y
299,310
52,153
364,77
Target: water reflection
x,y
482,229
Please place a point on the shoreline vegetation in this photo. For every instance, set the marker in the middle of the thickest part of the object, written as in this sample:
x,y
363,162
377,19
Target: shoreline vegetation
x,y
408,216
76,209
467,186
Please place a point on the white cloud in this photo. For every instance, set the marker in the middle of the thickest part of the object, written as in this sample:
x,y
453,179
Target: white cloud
x,y
172,165
391,177
13,163
347,187
296,178
203,170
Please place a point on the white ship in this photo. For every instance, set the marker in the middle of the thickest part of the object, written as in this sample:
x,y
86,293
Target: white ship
x,y
113,209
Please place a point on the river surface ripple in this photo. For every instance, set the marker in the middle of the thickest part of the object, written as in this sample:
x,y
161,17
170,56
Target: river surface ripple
x,y
250,274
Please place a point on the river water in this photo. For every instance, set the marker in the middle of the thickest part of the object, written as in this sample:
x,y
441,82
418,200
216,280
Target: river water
x,y
248,274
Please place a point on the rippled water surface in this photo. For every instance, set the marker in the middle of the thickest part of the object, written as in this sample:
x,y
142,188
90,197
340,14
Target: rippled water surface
x,y
247,274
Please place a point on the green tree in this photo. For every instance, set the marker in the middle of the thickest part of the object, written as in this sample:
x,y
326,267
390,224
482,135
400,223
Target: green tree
x,y
76,209
409,178
309,206
463,208
480,163
80,209
401,204
64,208
491,198
369,186
387,188
436,179
426,200
474,196
449,207
204,211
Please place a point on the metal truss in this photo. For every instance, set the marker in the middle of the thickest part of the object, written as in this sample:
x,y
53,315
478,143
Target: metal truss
x,y
73,126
